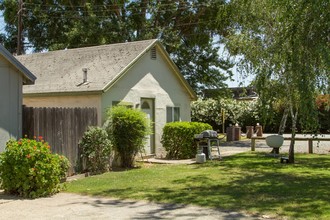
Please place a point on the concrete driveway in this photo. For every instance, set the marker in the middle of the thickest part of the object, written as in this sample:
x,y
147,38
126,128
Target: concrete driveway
x,y
73,206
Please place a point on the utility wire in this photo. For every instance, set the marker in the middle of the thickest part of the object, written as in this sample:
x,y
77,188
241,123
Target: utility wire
x,y
117,4
110,8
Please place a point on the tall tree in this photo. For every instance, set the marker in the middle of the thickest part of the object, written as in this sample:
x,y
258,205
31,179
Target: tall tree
x,y
287,41
186,28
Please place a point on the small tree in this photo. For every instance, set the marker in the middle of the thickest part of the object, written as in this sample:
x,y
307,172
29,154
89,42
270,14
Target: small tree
x,y
284,41
96,150
128,130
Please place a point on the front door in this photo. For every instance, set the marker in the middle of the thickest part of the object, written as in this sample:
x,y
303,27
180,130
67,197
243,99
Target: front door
x,y
148,107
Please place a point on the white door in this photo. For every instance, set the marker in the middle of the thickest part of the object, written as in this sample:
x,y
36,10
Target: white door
x,y
147,106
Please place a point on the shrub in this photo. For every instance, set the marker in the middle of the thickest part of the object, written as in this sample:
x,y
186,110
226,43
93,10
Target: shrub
x,y
128,130
29,169
178,138
96,150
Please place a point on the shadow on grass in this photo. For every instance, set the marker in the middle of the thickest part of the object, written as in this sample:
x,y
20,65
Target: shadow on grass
x,y
260,184
245,182
260,160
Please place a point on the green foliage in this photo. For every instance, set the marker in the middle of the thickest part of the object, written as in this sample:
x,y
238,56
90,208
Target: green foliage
x,y
29,169
210,111
186,28
178,138
127,129
285,45
323,105
286,42
252,112
96,150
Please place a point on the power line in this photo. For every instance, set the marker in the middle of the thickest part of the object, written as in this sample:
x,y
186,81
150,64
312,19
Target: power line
x,y
26,8
109,8
83,16
118,4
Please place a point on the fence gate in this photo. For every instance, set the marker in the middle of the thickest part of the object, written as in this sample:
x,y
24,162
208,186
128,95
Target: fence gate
x,y
62,128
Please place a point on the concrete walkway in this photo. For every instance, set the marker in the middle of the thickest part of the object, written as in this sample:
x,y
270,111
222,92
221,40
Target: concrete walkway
x,y
231,148
226,149
74,206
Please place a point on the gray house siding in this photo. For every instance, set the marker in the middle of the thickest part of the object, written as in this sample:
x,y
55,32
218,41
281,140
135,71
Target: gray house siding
x,y
11,103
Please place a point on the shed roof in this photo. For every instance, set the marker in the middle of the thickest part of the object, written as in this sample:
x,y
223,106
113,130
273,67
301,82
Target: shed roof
x,y
28,77
62,71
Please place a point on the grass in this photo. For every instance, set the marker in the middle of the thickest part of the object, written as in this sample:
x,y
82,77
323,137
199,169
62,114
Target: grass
x,y
248,182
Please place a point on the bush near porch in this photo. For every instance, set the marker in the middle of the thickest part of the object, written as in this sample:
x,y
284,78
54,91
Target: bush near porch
x,y
178,138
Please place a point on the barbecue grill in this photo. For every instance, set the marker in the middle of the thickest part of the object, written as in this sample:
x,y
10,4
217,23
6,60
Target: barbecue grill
x,y
205,141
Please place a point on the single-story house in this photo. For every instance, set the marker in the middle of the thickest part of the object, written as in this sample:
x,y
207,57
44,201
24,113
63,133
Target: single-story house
x,y
12,77
140,74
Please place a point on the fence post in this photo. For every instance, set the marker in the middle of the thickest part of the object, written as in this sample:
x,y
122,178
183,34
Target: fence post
x,y
253,144
310,146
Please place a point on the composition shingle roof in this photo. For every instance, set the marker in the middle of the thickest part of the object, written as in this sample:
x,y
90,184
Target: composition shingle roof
x,y
61,71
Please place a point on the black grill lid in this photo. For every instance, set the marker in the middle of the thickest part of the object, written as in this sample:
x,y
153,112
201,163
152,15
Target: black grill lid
x,y
209,134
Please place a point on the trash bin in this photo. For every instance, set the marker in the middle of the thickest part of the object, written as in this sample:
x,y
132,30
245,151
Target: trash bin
x,y
230,133
237,133
259,130
249,131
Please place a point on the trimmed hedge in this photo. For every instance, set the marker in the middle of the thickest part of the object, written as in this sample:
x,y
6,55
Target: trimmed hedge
x,y
178,138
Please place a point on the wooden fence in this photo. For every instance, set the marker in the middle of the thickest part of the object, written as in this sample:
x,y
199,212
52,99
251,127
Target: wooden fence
x,y
62,128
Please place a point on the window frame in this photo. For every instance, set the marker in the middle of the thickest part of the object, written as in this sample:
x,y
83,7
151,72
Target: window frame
x,y
173,114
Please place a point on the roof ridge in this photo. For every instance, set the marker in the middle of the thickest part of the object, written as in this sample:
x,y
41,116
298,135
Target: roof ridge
x,y
90,47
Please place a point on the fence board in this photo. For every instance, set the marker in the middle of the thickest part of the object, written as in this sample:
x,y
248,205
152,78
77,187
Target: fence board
x,y
62,128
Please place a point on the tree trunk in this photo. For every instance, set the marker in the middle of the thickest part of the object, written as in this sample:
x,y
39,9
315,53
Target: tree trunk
x,y
283,121
293,135
281,128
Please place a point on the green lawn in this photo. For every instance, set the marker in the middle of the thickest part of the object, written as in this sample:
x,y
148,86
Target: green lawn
x,y
248,182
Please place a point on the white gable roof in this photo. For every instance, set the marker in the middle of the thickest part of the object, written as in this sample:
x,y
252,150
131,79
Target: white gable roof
x,y
62,71
28,77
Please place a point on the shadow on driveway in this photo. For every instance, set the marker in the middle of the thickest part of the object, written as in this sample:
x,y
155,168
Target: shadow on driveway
x,y
74,206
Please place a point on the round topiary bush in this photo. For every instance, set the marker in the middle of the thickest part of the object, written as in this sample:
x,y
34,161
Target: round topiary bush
x,y
29,169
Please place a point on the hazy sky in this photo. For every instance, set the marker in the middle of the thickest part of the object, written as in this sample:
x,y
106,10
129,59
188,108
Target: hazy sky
x,y
2,23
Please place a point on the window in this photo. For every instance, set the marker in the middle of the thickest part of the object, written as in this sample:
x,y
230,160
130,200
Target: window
x,y
172,114
145,105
